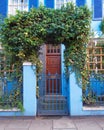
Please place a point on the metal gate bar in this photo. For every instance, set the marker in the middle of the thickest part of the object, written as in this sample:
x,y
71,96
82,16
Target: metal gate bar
x,y
51,101
53,84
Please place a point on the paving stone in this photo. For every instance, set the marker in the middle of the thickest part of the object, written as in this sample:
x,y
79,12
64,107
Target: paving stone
x,y
86,124
63,123
100,121
2,128
20,124
41,125
16,129
64,129
3,123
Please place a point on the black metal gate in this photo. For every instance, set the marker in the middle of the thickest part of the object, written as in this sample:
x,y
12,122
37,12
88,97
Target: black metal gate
x,y
50,100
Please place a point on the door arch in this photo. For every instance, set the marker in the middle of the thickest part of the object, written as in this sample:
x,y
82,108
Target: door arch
x,y
51,101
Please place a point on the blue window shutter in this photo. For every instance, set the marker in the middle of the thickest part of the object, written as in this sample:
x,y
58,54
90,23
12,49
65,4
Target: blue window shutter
x,y
49,3
33,3
3,7
80,2
97,9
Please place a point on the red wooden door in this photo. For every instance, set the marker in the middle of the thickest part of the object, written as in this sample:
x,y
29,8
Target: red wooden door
x,y
53,68
53,65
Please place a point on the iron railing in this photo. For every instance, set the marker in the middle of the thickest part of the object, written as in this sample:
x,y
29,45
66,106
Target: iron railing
x,y
94,94
50,100
10,88
49,84
10,94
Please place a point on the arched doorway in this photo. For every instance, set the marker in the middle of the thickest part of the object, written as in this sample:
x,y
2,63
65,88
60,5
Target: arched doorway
x,y
51,101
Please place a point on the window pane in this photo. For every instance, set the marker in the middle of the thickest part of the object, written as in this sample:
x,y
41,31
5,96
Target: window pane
x,y
59,3
14,5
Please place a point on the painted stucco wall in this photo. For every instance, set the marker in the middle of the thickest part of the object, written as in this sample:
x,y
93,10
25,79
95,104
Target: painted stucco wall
x,y
75,100
4,7
69,85
95,24
65,79
29,89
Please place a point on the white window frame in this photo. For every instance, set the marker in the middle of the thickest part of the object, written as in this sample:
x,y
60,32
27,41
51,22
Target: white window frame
x,y
14,5
62,2
41,2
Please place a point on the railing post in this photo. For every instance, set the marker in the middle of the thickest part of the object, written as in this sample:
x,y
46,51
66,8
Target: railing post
x,y
29,89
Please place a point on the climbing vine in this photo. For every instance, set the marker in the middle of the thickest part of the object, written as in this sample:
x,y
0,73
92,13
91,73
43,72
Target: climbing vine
x,y
23,34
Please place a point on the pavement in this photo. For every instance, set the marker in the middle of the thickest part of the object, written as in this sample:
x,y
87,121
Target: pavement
x,y
52,123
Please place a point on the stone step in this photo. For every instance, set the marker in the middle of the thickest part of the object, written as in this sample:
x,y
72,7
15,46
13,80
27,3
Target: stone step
x,y
53,100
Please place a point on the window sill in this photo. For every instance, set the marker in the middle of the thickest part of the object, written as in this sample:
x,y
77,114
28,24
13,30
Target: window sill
x,y
97,19
10,110
93,108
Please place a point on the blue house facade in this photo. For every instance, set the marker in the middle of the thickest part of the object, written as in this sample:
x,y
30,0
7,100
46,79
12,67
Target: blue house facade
x,y
53,92
10,6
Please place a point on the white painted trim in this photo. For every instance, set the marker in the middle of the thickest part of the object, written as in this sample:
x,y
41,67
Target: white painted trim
x,y
103,9
41,2
10,110
64,2
28,5
94,108
55,4
27,63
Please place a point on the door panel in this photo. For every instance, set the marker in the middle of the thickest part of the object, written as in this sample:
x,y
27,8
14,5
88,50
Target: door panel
x,y
53,69
53,64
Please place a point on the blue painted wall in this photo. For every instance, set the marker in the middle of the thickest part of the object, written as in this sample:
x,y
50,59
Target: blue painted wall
x,y
4,7
69,85
75,100
97,86
95,25
29,93
10,86
33,3
29,89
49,3
63,75
80,2
97,7
65,79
